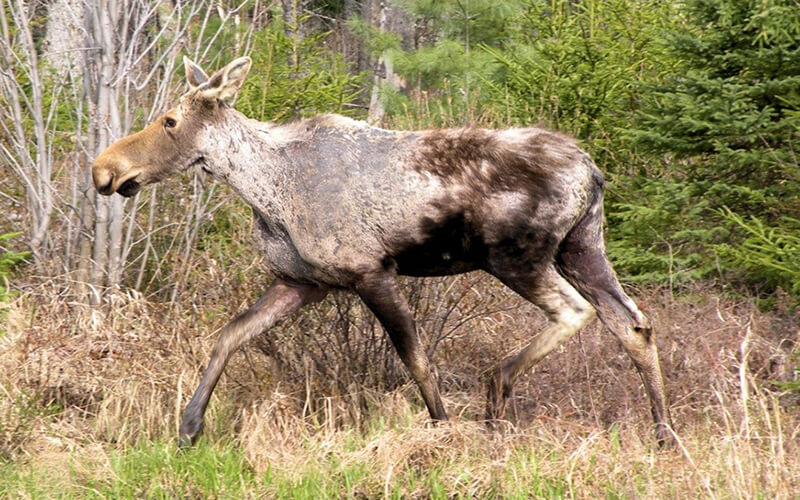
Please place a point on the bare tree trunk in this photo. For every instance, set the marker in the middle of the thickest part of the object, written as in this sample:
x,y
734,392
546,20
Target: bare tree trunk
x,y
86,203
383,72
30,157
103,23
126,50
87,200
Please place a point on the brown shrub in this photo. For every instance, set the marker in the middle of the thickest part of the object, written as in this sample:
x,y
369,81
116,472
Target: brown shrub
x,y
125,371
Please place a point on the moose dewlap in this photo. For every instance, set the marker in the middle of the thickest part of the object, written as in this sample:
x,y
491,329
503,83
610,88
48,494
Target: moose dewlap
x,y
342,205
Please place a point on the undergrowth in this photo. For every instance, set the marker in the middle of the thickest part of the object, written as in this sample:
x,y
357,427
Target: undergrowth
x,y
460,459
9,259
91,401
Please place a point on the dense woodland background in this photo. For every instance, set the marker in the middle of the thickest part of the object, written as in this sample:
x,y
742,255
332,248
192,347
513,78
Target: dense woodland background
x,y
691,108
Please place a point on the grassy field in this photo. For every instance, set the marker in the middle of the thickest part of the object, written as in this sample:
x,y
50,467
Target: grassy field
x,y
408,460
90,401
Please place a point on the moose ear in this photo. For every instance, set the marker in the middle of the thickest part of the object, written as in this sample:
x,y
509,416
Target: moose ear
x,y
225,83
195,76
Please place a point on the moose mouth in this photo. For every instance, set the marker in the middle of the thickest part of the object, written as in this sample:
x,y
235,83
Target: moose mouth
x,y
129,188
200,162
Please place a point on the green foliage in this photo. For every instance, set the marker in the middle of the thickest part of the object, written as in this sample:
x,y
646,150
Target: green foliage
x,y
468,22
653,239
210,470
734,103
9,260
727,121
449,63
203,471
446,60
150,470
295,76
767,252
575,65
372,39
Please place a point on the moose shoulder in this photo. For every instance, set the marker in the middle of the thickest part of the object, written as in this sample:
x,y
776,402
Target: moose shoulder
x,y
340,204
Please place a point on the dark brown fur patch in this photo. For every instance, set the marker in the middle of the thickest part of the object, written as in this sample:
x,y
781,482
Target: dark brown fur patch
x,y
484,160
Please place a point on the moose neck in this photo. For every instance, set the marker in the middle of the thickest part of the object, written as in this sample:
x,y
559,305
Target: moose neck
x,y
244,153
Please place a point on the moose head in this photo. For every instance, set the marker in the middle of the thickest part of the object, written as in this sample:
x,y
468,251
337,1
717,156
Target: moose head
x,y
176,140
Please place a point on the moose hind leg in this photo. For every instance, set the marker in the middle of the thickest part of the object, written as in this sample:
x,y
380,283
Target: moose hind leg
x,y
567,311
280,300
583,262
382,296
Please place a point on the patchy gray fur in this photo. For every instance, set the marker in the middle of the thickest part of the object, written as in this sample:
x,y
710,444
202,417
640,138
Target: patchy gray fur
x,y
340,204
335,198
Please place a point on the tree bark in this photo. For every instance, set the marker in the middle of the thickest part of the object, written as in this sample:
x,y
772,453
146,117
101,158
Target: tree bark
x,y
30,157
383,70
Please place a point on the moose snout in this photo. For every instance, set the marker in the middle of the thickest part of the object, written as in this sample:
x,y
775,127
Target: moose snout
x,y
112,173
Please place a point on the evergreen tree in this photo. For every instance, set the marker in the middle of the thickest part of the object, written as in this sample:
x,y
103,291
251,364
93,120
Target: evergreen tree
x,y
446,69
729,118
727,125
297,76
574,66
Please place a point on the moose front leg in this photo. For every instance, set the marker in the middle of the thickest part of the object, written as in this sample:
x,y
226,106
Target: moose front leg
x,y
382,296
280,300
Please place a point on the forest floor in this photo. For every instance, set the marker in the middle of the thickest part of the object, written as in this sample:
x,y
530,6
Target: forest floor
x,y
90,401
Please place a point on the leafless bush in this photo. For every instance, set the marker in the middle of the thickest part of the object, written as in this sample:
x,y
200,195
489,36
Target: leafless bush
x,y
338,349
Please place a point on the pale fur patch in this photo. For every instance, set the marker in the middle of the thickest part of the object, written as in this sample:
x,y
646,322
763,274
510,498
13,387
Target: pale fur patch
x,y
301,130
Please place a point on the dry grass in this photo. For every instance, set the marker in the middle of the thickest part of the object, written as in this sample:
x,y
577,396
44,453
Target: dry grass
x,y
84,388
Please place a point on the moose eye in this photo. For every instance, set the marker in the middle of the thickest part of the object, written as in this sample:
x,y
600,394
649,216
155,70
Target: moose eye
x,y
169,122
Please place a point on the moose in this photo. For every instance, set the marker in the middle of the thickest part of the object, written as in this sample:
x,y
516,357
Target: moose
x,y
340,204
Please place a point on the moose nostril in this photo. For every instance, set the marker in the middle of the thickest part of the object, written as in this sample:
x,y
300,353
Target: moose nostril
x,y
107,188
104,186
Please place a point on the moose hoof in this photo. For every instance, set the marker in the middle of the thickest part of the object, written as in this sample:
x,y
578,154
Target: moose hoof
x,y
184,443
665,438
190,430
186,440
